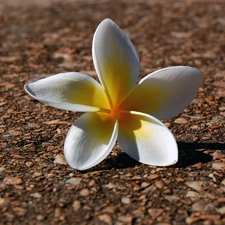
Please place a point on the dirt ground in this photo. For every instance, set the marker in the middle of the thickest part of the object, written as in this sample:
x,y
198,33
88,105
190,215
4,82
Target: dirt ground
x,y
37,187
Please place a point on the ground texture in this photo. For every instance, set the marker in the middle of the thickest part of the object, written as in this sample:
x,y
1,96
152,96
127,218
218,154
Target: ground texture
x,y
37,187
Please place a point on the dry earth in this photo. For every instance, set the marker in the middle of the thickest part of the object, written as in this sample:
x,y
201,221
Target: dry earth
x,y
37,187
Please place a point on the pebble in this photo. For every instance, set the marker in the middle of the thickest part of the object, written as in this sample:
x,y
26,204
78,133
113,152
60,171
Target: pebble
x,y
171,198
33,125
145,184
57,212
125,219
36,195
192,194
3,201
84,192
37,174
110,209
149,189
221,210
110,185
219,166
29,164
40,217
12,180
74,181
153,176
60,159
196,185
76,205
159,184
199,206
126,200
19,211
105,218
180,121
154,212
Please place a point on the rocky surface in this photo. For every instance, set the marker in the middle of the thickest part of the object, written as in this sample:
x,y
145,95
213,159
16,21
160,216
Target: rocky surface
x,y
42,38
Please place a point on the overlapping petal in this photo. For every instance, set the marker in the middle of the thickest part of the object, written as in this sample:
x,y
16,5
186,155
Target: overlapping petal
x,y
146,139
115,59
164,93
69,91
89,140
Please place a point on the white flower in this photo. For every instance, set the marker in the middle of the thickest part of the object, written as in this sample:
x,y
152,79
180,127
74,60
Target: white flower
x,y
118,108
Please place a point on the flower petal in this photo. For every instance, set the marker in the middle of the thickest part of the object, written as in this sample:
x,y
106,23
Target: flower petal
x,y
90,140
115,59
164,93
146,139
69,91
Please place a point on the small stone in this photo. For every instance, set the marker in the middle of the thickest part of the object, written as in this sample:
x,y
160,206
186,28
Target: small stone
x,y
192,194
19,211
145,184
154,212
110,185
109,209
192,219
212,176
36,195
2,169
84,192
76,205
149,189
50,148
223,182
126,200
180,121
29,164
1,130
159,184
3,201
105,218
197,165
37,174
171,198
179,179
33,125
125,219
60,159
13,180
219,166
222,199
40,217
196,185
199,206
221,210
153,176
57,212
74,181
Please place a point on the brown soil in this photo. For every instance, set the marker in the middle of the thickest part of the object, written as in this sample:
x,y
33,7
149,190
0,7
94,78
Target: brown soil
x,y
37,187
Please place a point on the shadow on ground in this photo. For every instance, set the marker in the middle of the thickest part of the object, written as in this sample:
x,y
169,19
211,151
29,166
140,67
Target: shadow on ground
x,y
192,153
189,154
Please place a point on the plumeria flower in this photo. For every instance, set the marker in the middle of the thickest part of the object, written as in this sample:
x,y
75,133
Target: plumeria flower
x,y
118,109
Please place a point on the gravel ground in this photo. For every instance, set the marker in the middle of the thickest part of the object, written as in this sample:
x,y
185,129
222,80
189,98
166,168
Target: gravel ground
x,y
37,187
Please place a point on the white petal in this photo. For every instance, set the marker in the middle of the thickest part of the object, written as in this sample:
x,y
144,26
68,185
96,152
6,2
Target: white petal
x,y
115,59
146,139
69,91
90,140
165,93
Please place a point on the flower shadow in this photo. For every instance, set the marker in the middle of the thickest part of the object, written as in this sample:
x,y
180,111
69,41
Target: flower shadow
x,y
192,153
121,161
189,154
